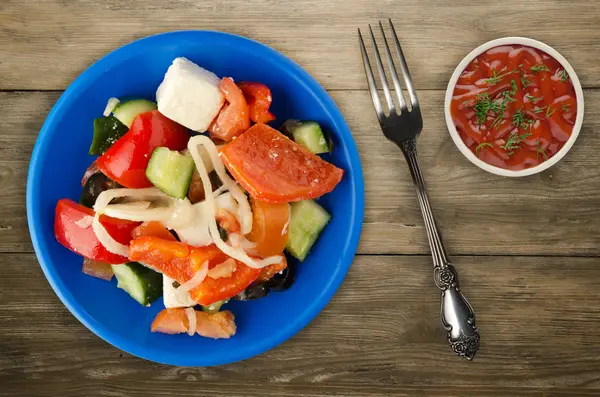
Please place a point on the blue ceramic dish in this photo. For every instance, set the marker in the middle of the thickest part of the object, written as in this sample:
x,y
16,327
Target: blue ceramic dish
x,y
60,158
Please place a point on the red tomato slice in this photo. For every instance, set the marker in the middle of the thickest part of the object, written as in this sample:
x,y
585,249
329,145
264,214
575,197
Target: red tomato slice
x,y
181,262
73,229
269,227
126,160
259,101
274,169
233,118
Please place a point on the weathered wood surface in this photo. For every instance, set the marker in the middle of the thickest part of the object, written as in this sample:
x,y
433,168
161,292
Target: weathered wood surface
x,y
379,335
536,296
553,213
45,44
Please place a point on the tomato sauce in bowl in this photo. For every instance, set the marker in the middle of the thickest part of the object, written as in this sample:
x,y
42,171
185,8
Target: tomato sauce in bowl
x,y
514,106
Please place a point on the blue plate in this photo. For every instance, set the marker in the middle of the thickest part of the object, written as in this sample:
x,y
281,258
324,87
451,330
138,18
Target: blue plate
x,y
60,158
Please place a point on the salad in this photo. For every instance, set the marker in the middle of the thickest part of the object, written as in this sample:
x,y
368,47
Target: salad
x,y
196,199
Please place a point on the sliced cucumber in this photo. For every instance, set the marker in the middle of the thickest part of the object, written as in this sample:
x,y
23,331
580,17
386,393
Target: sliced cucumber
x,y
129,110
170,171
107,130
215,307
143,284
306,223
308,134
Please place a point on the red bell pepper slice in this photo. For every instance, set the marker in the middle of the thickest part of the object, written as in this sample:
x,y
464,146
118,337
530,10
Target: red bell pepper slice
x,y
73,229
233,118
126,160
259,101
180,262
275,169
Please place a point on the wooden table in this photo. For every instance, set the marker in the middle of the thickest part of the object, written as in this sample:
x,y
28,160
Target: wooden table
x,y
527,249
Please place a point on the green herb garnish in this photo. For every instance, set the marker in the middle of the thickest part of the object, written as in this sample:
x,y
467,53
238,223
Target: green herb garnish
x,y
483,105
564,76
565,107
538,110
496,78
520,119
533,99
549,111
526,83
539,67
481,146
514,142
540,150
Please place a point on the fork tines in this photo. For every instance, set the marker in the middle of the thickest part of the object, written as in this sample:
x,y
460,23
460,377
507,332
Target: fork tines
x,y
381,71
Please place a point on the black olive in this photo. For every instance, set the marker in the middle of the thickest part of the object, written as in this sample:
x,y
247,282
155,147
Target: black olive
x,y
252,292
283,281
95,185
222,233
278,283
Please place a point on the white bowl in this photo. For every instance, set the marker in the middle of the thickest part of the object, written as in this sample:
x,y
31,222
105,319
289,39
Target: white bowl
x,y
510,41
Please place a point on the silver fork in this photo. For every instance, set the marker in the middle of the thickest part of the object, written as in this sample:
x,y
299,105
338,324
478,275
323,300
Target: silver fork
x,y
402,126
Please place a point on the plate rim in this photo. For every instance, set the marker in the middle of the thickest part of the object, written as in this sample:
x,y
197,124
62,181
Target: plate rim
x,y
85,79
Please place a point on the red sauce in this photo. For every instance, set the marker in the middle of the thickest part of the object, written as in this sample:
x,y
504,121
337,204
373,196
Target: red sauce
x,y
514,106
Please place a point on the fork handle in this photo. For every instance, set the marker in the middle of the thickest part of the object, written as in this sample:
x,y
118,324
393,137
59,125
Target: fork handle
x,y
458,317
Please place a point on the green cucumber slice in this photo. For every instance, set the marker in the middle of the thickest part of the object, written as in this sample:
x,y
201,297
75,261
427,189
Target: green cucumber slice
x,y
170,171
308,134
142,284
127,111
307,221
107,130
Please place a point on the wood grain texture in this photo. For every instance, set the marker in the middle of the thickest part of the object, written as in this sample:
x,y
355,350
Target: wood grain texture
x,y
45,44
553,213
379,335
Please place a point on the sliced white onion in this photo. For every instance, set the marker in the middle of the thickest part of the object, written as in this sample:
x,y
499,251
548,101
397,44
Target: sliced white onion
x,y
238,254
196,280
85,222
285,227
106,240
107,196
239,241
110,106
244,211
191,315
224,269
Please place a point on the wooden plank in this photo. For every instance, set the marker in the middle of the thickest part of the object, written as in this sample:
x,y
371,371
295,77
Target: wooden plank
x,y
479,213
380,335
45,44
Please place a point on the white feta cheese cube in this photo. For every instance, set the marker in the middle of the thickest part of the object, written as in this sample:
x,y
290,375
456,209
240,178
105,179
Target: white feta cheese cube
x,y
173,299
189,95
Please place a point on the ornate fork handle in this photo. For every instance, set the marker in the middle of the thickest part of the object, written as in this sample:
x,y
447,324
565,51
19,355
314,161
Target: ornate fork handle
x,y
456,313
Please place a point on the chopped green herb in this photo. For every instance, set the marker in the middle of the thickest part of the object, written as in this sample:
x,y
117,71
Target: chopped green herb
x,y
549,111
565,107
539,67
481,146
526,83
520,119
564,76
533,99
538,110
514,142
540,150
496,78
483,105
465,103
